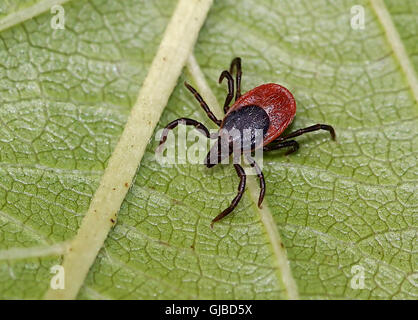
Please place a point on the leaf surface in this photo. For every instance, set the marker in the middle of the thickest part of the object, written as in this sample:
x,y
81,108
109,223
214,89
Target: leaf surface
x,y
65,97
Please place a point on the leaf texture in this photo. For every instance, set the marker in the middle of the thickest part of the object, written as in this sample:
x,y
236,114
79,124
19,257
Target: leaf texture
x,y
66,95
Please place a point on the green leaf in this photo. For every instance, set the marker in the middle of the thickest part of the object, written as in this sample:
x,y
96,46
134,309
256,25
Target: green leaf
x,y
405,19
65,96
9,7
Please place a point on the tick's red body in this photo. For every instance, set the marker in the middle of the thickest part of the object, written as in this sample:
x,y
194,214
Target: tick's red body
x,y
276,101
269,108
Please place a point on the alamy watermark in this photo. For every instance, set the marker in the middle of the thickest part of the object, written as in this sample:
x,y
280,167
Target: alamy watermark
x,y
357,281
230,146
58,280
58,18
357,21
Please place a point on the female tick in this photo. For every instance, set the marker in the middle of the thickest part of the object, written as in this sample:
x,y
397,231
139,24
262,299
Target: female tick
x,y
269,108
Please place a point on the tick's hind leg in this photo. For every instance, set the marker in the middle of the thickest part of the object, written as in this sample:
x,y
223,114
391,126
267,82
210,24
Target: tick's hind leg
x,y
236,63
186,121
241,187
203,104
315,127
277,144
230,95
260,175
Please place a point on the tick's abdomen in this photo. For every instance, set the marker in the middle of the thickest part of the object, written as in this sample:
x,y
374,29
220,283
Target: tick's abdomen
x,y
276,101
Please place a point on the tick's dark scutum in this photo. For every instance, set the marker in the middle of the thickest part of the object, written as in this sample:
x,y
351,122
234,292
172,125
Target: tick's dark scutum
x,y
247,117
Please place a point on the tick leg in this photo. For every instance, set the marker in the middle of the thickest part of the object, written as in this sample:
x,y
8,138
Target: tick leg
x,y
261,177
283,144
187,122
315,127
226,74
241,187
236,63
203,104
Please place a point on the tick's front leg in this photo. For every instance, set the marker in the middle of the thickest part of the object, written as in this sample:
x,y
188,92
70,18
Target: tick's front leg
x,y
260,175
241,187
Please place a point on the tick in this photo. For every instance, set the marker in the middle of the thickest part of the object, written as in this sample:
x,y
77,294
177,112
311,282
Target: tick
x,y
269,108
